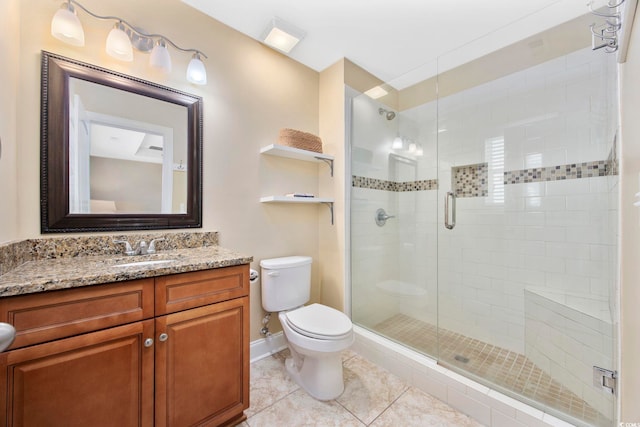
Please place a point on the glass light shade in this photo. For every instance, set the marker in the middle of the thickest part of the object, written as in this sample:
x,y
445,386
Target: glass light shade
x,y
397,143
420,151
412,147
66,26
196,73
119,45
160,57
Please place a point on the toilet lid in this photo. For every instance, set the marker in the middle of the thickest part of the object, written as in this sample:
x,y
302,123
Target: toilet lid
x,y
319,321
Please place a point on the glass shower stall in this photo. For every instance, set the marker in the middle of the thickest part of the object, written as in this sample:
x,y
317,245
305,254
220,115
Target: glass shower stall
x,y
483,227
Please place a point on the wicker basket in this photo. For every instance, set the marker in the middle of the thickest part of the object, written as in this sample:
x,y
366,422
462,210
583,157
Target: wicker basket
x,y
298,139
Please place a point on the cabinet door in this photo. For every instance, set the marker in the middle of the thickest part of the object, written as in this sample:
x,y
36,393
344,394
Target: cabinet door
x,y
102,378
202,368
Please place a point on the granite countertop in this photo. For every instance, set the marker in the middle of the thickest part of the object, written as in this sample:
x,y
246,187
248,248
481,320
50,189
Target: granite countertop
x,y
71,272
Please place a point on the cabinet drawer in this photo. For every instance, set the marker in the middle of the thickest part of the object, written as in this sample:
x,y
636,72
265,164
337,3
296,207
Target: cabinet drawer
x,y
48,316
188,290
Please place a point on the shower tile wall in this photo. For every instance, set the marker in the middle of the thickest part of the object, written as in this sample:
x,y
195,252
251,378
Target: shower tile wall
x,y
557,234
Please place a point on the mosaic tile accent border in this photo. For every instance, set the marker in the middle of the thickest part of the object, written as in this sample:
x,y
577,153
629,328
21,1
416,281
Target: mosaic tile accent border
x,y
470,180
381,184
558,173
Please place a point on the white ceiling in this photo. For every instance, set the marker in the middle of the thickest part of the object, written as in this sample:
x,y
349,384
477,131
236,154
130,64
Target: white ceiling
x,y
396,40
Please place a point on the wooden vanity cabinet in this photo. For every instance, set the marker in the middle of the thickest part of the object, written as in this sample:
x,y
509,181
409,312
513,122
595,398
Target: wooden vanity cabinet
x,y
144,364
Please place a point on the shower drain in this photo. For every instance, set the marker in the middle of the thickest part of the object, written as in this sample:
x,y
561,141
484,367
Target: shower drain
x,y
461,358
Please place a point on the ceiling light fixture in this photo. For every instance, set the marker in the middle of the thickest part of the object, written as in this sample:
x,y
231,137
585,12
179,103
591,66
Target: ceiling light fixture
x,y
281,35
66,26
376,92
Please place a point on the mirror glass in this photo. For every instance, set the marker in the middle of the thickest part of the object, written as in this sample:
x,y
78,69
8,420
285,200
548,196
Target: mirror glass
x,y
118,153
117,138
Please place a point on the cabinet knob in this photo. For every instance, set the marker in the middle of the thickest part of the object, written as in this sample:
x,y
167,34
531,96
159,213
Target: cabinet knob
x,y
148,342
163,337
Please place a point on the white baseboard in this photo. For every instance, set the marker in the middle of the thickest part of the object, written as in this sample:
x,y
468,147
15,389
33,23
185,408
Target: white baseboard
x,y
259,349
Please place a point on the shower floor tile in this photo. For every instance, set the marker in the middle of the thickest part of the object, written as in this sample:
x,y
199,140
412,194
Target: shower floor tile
x,y
507,369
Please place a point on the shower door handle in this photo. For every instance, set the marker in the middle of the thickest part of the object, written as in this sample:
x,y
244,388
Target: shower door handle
x,y
447,224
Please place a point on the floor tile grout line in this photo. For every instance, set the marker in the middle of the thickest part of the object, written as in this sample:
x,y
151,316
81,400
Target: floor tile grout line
x,y
274,402
390,405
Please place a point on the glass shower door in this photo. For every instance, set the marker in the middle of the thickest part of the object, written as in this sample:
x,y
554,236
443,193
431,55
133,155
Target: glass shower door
x,y
527,210
394,221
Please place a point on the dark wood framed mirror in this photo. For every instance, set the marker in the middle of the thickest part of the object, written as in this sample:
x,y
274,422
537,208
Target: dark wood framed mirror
x,y
117,152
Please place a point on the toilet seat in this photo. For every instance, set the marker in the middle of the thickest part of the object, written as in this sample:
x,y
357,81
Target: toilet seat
x,y
320,322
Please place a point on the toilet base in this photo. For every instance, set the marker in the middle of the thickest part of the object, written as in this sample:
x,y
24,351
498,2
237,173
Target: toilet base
x,y
320,376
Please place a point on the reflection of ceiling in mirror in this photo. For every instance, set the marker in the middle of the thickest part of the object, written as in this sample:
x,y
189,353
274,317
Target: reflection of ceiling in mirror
x,y
127,144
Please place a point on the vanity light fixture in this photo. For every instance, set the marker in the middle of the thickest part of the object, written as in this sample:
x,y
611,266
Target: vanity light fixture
x,y
281,35
160,57
66,26
118,44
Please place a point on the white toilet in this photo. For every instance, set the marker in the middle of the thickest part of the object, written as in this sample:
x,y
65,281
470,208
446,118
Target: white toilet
x,y
316,334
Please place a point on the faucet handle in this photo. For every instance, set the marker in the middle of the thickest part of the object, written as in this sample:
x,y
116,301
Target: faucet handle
x,y
142,248
152,245
128,250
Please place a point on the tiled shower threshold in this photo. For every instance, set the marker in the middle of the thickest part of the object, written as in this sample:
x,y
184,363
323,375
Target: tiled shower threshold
x,y
505,368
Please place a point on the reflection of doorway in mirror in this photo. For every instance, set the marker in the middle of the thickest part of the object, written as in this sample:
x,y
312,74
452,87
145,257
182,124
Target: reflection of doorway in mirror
x,y
79,147
130,166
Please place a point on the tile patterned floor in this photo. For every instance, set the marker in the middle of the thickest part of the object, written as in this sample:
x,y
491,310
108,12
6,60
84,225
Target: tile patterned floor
x,y
505,368
372,397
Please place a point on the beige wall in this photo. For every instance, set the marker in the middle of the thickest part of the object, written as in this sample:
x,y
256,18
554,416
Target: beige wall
x,y
9,58
332,237
630,232
252,93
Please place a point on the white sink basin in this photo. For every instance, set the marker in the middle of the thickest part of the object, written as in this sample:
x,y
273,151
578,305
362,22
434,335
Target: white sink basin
x,y
144,263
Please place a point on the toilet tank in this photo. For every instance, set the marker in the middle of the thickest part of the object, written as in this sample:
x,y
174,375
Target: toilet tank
x,y
286,282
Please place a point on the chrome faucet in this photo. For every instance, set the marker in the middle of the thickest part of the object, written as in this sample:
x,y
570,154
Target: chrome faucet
x,y
128,250
152,246
141,248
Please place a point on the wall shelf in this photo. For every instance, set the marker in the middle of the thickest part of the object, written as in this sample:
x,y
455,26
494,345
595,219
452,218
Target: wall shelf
x,y
300,200
298,154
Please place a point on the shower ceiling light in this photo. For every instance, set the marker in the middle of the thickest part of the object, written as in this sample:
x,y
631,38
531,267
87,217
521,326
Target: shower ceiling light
x,y
281,35
376,92
66,26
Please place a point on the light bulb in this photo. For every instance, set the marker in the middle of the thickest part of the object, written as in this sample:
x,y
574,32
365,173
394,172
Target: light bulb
x,y
118,44
160,57
196,73
66,26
